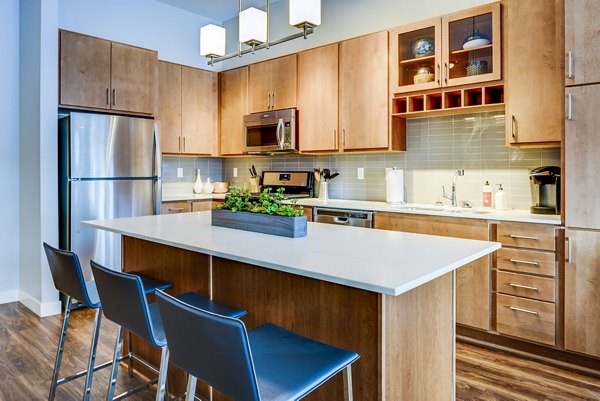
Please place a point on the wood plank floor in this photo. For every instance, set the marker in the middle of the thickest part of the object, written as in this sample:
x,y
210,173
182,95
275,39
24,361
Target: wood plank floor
x,y
27,350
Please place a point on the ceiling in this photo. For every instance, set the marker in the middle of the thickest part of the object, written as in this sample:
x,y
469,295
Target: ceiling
x,y
218,10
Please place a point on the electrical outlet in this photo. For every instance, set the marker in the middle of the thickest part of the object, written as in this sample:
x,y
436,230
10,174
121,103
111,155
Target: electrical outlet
x,y
235,172
360,173
179,172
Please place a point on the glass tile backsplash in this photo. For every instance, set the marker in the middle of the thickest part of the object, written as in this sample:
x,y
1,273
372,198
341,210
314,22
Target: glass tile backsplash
x,y
436,147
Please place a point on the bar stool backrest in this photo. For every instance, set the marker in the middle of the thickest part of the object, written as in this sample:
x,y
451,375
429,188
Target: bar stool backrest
x,y
211,347
67,275
124,302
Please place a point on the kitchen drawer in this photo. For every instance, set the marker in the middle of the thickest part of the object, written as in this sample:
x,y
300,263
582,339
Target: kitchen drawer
x,y
523,285
201,206
176,207
526,261
528,319
536,236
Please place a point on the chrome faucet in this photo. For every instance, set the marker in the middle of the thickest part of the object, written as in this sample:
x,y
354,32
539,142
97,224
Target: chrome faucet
x,y
452,198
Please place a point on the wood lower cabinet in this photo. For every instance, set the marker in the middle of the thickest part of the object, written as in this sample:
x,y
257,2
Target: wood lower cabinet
x,y
176,207
318,99
202,205
525,318
582,28
99,74
233,98
187,110
534,112
582,146
272,84
582,287
364,92
473,280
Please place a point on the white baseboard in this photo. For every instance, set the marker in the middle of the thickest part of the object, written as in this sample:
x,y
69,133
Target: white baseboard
x,y
9,296
40,309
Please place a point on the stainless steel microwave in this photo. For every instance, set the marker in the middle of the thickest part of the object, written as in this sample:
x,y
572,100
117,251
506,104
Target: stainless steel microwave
x,y
271,132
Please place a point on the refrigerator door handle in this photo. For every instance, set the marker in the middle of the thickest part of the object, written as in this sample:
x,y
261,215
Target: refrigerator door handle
x,y
157,153
156,196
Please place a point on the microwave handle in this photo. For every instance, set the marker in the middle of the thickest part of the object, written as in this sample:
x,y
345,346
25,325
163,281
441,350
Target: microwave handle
x,y
280,137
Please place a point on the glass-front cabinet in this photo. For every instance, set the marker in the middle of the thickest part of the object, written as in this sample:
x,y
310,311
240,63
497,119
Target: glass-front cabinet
x,y
416,56
457,49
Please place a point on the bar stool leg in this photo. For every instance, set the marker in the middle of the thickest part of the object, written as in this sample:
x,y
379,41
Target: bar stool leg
x,y
115,365
190,391
130,350
92,360
162,374
348,383
60,349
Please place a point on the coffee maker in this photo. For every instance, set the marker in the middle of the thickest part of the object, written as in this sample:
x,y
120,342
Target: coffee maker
x,y
545,190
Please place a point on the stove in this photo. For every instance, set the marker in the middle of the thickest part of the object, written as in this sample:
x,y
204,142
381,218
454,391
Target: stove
x,y
297,184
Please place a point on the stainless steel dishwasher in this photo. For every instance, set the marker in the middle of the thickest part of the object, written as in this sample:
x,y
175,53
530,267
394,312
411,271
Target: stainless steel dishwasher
x,y
355,218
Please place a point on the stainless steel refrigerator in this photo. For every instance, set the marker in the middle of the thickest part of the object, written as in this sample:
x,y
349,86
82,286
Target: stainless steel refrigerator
x,y
109,168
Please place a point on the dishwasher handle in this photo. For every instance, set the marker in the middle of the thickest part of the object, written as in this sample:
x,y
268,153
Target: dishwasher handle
x,y
341,220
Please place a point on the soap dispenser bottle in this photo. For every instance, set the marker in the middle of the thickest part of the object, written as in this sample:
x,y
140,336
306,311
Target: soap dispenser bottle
x,y
500,199
487,195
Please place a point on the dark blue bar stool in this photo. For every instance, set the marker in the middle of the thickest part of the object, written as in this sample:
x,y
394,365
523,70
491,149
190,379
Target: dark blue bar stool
x,y
68,279
268,363
125,303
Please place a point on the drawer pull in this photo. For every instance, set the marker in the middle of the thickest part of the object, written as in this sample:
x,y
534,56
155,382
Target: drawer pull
x,y
524,262
531,312
177,209
526,287
523,237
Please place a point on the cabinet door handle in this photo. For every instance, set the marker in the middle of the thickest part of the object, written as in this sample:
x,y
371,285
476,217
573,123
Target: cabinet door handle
x,y
269,101
570,65
176,210
569,250
344,137
526,287
108,96
531,312
446,72
184,143
570,107
524,262
523,237
334,137
114,97
439,73
273,101
513,122
179,144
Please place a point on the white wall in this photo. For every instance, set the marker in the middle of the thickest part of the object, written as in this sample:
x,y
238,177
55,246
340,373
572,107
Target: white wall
x,y
9,152
343,19
38,162
175,33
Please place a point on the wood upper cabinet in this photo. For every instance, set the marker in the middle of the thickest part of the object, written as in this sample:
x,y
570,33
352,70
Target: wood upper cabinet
x,y
533,53
233,90
364,92
478,62
582,147
84,71
473,290
199,110
582,286
99,74
272,84
582,28
318,99
187,109
169,106
133,78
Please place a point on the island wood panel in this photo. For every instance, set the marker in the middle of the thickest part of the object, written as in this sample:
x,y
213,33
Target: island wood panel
x,y
233,98
169,106
134,78
582,26
187,271
332,313
84,71
473,303
419,337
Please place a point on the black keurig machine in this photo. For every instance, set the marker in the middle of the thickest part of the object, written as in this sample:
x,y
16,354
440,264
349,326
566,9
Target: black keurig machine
x,y
545,190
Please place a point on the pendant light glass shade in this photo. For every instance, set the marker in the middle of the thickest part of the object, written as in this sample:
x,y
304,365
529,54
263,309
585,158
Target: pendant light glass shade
x,y
305,12
212,41
253,26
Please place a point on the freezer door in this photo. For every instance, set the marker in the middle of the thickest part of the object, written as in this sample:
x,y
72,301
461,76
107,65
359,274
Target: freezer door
x,y
104,146
106,199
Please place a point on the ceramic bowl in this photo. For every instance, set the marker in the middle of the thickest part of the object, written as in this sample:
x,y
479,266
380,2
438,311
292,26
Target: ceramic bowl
x,y
221,187
475,40
423,47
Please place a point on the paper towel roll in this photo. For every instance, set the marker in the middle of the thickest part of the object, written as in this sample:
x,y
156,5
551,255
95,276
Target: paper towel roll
x,y
394,186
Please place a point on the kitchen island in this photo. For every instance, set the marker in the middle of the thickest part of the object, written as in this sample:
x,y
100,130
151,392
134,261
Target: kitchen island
x,y
387,295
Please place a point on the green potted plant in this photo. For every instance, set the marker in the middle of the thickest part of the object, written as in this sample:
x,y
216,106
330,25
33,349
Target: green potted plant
x,y
268,215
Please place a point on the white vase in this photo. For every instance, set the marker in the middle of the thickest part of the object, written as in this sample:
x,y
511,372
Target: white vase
x,y
198,184
208,187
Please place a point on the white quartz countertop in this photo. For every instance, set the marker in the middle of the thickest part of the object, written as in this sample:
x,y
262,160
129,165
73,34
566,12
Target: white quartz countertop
x,y
523,216
387,262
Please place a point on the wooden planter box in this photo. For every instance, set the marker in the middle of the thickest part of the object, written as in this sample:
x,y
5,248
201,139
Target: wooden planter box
x,y
283,226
